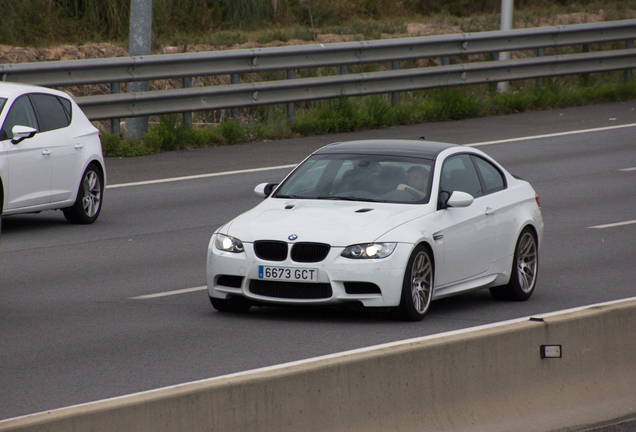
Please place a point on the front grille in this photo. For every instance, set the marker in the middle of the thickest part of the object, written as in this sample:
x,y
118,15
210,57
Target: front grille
x,y
270,250
230,281
361,288
290,290
309,252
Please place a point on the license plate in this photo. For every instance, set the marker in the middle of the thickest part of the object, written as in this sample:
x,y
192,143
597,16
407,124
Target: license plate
x,y
287,273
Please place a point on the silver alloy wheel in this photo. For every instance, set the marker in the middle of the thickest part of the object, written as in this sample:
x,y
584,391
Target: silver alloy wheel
x,y
421,282
527,262
92,193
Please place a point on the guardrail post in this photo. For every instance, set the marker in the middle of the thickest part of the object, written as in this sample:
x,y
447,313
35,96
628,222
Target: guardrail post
x,y
628,72
235,79
115,122
445,61
539,82
139,45
586,76
291,108
186,117
505,24
343,70
395,97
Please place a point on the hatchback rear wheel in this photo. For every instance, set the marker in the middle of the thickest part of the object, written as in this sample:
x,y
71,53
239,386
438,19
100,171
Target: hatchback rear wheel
x,y
88,203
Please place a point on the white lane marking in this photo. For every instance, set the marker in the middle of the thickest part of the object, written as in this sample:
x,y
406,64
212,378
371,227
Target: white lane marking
x,y
612,225
168,293
199,176
628,169
485,143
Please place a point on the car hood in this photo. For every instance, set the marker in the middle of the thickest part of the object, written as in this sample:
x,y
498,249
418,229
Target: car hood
x,y
338,223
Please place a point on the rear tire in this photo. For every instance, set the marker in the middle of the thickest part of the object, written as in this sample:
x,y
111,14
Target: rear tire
x,y
231,305
88,203
417,287
525,266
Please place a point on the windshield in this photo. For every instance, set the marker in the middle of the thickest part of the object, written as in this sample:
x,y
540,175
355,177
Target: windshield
x,y
354,177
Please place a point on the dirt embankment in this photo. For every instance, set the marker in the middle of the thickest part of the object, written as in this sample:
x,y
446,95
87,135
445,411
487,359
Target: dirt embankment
x,y
11,54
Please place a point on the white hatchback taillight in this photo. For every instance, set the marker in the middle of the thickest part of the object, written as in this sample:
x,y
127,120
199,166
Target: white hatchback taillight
x,y
536,197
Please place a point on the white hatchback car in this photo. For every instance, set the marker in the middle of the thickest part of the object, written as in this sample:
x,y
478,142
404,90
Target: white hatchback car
x,y
50,155
382,224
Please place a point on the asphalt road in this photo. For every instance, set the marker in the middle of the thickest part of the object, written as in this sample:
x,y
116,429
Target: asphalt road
x,y
71,331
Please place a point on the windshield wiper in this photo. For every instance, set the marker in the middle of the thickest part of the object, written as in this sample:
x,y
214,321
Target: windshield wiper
x,y
348,198
289,196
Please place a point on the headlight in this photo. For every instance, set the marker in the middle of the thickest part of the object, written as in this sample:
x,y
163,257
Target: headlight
x,y
369,250
228,244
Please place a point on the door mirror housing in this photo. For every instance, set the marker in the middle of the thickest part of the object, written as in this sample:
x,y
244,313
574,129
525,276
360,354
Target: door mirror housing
x,y
21,133
459,199
264,190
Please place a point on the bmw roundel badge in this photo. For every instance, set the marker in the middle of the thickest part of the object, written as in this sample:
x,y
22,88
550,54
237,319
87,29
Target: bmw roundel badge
x,y
293,237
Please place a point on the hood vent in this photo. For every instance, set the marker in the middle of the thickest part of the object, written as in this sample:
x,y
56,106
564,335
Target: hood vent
x,y
364,210
289,206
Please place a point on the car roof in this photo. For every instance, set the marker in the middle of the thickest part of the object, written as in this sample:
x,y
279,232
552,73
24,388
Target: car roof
x,y
11,90
409,148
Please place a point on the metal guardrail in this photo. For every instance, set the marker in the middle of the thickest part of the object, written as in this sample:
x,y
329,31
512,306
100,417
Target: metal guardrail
x,y
143,68
303,89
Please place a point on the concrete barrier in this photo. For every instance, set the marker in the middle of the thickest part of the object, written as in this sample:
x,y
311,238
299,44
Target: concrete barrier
x,y
490,378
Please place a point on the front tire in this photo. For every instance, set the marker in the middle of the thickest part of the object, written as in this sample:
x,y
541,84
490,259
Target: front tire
x,y
88,203
525,266
417,287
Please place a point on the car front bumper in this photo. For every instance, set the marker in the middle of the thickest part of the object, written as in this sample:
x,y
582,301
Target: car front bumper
x,y
371,282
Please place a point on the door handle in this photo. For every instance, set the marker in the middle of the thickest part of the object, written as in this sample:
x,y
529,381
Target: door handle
x,y
79,146
489,211
46,152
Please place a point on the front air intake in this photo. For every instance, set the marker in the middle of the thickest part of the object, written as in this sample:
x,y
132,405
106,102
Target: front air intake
x,y
290,290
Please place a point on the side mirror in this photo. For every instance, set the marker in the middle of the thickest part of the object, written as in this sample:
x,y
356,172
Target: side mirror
x,y
21,133
460,199
264,190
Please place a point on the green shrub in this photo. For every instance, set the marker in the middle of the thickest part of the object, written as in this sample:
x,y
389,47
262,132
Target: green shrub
x,y
449,103
231,131
168,135
113,146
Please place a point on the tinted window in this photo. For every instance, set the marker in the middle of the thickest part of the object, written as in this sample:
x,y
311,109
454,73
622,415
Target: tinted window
x,y
458,174
67,107
493,179
2,102
22,114
51,112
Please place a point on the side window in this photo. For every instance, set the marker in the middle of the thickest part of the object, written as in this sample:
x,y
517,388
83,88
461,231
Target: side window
x,y
51,112
492,177
20,114
67,108
458,174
